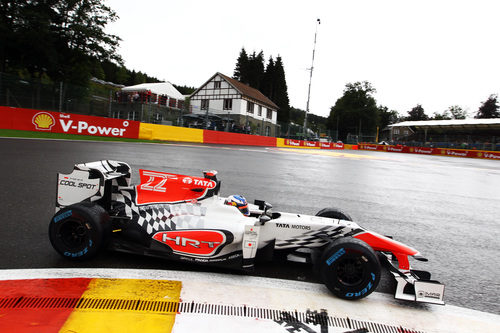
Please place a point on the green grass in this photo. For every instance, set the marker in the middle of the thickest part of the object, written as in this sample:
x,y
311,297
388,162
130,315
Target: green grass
x,y
47,135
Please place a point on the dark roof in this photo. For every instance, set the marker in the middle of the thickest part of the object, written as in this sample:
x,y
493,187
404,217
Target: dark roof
x,y
249,92
245,91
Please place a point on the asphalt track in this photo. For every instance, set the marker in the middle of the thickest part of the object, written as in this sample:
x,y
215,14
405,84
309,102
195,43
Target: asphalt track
x,y
447,208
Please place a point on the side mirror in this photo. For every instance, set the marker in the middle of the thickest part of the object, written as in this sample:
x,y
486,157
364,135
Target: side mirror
x,y
265,206
263,219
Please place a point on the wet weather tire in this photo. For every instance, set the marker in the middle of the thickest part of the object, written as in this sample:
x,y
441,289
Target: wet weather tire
x,y
79,231
334,213
350,268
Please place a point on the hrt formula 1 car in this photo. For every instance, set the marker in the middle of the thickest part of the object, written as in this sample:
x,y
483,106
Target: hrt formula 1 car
x,y
183,218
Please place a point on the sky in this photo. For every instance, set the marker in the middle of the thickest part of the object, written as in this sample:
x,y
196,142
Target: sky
x,y
436,53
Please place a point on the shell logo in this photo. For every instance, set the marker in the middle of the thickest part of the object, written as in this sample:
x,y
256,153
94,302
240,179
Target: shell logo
x,y
43,121
411,150
479,154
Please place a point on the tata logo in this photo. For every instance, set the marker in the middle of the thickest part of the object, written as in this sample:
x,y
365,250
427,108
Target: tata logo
x,y
204,183
202,243
187,180
43,121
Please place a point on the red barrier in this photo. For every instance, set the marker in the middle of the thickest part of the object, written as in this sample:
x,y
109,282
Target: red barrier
x,y
237,139
433,151
55,122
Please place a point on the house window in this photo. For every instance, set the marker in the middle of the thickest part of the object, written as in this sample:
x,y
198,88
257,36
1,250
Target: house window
x,y
260,111
204,104
228,104
268,131
172,102
269,114
250,107
396,131
216,84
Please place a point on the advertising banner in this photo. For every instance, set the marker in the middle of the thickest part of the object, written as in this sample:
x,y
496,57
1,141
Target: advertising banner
x,y
56,122
294,143
311,144
331,145
433,151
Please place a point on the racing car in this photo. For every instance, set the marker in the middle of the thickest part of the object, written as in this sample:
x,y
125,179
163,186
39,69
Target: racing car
x,y
184,218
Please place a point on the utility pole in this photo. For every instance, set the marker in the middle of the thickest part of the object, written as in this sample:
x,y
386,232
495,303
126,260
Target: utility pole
x,y
318,22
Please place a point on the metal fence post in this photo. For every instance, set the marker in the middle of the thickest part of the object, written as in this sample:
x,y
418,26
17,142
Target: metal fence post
x,y
60,96
110,102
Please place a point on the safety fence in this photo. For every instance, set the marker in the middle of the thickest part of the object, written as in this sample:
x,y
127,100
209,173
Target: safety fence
x,y
68,123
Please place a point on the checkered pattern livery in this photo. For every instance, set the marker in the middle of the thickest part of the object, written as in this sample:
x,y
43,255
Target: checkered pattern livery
x,y
313,238
159,217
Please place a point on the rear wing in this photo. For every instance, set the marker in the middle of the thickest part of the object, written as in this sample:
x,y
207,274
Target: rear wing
x,y
87,181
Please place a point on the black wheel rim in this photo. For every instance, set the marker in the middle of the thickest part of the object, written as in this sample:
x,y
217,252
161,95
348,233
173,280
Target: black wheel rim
x,y
350,271
73,234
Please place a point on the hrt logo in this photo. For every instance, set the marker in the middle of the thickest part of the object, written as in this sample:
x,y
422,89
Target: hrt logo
x,y
192,242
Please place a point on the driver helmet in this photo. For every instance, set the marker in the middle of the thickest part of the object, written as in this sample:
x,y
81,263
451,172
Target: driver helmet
x,y
239,202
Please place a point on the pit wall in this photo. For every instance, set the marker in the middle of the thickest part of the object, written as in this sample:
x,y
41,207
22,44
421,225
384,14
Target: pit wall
x,y
494,155
67,123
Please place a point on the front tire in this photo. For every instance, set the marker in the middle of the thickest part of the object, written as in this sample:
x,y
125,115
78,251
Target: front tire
x,y
350,268
79,231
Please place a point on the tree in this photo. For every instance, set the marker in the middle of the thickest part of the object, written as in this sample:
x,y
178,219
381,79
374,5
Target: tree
x,y
241,66
267,86
386,117
250,69
441,116
417,113
280,91
355,112
457,112
63,39
489,108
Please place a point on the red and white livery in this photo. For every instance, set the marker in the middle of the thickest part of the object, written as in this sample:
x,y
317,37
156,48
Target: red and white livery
x,y
183,218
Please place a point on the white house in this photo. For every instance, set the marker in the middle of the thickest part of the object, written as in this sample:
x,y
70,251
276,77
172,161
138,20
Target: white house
x,y
224,96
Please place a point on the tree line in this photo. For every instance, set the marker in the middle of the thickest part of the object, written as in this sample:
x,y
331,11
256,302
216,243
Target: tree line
x,y
63,41
268,78
357,112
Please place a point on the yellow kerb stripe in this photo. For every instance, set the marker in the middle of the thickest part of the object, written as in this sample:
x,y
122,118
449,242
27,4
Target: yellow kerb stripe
x,y
125,320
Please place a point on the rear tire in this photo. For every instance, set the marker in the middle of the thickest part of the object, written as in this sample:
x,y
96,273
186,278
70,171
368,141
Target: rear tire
x,y
79,231
334,213
350,268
